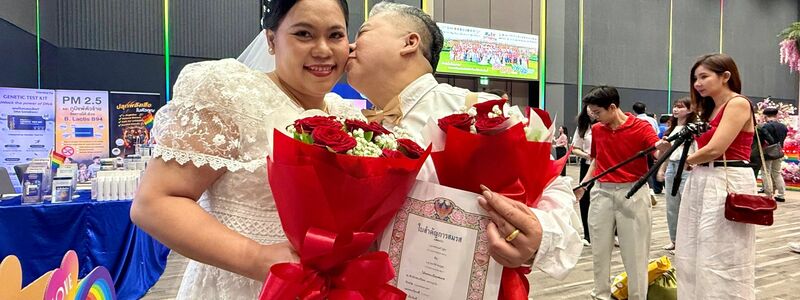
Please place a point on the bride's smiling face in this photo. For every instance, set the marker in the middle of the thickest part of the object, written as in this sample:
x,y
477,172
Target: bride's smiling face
x,y
310,46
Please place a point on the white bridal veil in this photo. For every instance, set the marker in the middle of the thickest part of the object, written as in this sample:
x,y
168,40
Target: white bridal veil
x,y
256,55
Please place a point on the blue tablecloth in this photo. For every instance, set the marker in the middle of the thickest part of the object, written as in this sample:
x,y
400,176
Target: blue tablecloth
x,y
100,232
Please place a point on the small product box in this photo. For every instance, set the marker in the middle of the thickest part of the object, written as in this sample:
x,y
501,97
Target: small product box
x,y
32,182
62,189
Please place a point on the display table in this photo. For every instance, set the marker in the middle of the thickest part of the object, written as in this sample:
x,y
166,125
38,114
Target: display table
x,y
101,233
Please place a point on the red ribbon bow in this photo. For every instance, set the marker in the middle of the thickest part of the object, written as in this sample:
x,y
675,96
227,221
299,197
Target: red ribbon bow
x,y
320,275
514,284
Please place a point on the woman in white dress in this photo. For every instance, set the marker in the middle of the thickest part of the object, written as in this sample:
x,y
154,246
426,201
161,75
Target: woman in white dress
x,y
206,193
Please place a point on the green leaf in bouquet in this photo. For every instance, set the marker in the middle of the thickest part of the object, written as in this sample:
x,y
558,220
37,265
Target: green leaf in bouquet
x,y
368,135
305,138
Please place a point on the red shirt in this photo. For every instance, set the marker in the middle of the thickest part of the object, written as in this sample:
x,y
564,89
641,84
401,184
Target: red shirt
x,y
739,148
610,147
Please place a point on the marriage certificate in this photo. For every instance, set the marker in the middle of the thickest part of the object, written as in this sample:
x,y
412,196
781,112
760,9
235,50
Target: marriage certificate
x,y
438,246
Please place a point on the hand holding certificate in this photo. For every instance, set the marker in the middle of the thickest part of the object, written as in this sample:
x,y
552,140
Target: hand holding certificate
x,y
514,236
439,247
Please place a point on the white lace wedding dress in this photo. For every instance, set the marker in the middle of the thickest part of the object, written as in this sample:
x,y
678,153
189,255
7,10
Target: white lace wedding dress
x,y
222,115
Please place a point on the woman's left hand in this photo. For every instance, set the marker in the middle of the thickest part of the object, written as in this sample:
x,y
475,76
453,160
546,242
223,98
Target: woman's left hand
x,y
515,232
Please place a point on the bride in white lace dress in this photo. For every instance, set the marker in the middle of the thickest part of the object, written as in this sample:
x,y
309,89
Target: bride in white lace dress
x,y
206,195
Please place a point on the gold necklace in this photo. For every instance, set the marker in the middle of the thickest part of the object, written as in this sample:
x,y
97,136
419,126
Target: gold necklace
x,y
278,82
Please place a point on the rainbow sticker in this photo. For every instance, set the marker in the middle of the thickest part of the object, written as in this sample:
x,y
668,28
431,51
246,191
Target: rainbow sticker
x,y
64,279
59,284
98,285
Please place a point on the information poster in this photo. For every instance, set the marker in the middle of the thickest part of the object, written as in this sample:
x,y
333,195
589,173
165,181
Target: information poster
x,y
26,127
131,122
82,134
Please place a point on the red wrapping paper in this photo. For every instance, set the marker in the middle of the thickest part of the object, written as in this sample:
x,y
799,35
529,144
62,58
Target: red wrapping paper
x,y
506,163
332,207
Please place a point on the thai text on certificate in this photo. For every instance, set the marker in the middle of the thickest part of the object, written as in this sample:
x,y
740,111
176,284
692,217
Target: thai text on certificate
x,y
437,244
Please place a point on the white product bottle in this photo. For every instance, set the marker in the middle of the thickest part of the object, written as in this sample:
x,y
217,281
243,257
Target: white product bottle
x,y
114,195
130,187
123,187
102,188
94,188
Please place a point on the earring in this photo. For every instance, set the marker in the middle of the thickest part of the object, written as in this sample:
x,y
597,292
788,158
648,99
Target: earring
x,y
271,51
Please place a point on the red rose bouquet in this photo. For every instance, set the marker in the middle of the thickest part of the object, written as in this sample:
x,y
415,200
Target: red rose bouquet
x,y
337,185
497,146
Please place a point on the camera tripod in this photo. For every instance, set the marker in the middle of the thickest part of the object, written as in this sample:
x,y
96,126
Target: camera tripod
x,y
684,138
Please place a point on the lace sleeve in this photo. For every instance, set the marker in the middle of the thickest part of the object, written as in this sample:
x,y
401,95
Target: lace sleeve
x,y
200,126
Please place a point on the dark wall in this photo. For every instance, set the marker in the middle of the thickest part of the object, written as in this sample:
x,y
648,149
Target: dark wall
x,y
18,48
750,34
81,69
626,42
631,51
509,15
117,45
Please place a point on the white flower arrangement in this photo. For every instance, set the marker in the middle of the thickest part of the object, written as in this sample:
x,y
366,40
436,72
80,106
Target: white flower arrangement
x,y
364,147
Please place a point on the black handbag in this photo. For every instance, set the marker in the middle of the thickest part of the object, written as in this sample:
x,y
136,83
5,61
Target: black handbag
x,y
773,152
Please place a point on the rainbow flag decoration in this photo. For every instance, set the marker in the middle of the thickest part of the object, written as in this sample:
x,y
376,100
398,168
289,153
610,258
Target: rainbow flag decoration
x,y
148,121
56,159
792,158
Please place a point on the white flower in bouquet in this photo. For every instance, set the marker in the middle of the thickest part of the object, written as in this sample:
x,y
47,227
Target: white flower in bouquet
x,y
496,112
363,146
386,141
401,132
472,111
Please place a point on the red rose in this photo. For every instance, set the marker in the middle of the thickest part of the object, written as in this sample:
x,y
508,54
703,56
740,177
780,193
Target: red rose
x,y
489,124
378,128
333,138
392,154
484,108
460,121
374,127
307,125
356,124
409,148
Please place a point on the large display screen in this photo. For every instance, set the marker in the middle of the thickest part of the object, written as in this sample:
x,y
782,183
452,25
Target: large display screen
x,y
487,52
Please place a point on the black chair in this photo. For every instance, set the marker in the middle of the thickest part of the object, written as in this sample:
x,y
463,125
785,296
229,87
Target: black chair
x,y
20,169
6,187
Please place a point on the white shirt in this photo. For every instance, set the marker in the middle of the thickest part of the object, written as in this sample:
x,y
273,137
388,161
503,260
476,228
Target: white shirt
x,y
561,246
584,143
650,120
676,156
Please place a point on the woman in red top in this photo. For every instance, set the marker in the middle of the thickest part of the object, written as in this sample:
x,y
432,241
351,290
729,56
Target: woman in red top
x,y
715,257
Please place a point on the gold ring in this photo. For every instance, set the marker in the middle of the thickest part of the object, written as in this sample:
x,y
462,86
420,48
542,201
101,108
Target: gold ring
x,y
512,236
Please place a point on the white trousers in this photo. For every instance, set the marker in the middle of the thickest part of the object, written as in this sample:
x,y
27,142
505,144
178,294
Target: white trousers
x,y
715,258
610,210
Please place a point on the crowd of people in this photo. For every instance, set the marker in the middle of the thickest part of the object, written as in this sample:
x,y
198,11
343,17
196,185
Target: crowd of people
x,y
714,257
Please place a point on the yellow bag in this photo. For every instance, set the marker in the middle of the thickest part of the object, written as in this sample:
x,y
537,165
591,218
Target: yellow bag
x,y
619,287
